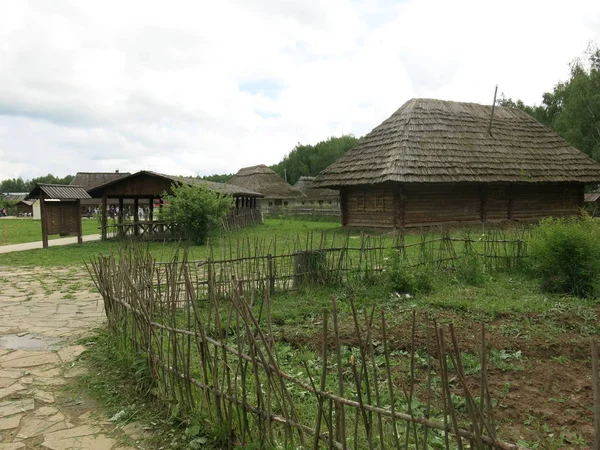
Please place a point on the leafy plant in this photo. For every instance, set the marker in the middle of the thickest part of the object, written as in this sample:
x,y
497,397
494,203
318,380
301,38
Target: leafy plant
x,y
470,270
196,208
565,253
404,278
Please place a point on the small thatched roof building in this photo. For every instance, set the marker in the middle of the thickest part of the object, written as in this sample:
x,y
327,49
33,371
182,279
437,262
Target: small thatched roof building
x,y
264,180
438,161
313,194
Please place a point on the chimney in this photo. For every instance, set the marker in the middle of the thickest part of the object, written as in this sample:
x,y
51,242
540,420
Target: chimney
x,y
117,171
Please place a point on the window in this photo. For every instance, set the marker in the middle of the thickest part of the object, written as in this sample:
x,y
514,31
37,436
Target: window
x,y
270,203
278,202
360,202
379,203
285,203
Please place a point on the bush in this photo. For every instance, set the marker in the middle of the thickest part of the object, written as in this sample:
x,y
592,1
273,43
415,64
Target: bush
x,y
565,254
405,279
197,209
470,270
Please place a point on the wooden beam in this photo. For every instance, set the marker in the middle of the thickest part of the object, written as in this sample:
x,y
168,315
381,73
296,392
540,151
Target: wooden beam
x,y
121,215
103,213
43,219
79,219
344,205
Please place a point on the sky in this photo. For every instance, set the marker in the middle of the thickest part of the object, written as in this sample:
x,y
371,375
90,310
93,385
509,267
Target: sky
x,y
202,87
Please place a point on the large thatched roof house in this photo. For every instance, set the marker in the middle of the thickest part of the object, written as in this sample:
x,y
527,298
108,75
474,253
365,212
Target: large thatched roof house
x,y
317,196
437,162
264,180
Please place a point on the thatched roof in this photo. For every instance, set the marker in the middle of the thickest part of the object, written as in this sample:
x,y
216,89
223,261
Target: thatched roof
x,y
305,184
266,181
90,180
438,141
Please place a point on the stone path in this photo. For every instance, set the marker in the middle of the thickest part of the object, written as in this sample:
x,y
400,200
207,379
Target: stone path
x,y
42,314
51,243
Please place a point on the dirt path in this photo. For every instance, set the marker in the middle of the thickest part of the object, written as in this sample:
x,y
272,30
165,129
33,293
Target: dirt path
x,y
51,243
42,314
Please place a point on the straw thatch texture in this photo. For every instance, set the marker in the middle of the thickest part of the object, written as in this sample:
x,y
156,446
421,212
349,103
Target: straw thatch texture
x,y
264,180
435,141
305,184
57,192
90,180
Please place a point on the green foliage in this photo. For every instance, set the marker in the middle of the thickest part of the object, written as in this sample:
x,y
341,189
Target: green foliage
x,y
572,109
20,185
469,269
565,254
196,208
309,160
219,178
403,278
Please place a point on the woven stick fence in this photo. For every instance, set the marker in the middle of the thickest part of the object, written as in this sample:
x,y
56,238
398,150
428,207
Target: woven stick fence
x,y
220,359
320,258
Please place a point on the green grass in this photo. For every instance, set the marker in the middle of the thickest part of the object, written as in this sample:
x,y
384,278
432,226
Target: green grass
x,y
18,231
70,255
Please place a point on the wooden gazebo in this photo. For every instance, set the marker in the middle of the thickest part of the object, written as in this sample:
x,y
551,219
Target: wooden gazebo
x,y
146,188
59,208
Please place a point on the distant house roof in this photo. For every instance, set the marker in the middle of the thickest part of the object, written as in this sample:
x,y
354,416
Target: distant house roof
x,y
58,192
264,180
90,180
305,184
435,141
592,197
234,191
14,197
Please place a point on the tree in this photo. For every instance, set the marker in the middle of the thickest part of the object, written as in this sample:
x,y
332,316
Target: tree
x,y
20,185
309,160
572,109
219,178
197,209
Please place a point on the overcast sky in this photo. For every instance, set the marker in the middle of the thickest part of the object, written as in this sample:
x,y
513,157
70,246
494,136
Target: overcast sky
x,y
202,87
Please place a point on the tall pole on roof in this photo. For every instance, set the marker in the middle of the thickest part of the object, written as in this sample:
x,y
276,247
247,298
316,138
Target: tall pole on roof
x,y
492,115
285,175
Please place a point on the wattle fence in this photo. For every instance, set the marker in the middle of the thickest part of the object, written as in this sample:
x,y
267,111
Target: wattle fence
x,y
206,332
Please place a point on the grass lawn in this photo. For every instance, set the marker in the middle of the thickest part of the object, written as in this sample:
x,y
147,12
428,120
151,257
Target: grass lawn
x,y
69,255
18,231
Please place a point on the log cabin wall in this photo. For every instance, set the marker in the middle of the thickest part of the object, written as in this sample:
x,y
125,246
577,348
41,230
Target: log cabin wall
x,y
427,204
535,201
369,207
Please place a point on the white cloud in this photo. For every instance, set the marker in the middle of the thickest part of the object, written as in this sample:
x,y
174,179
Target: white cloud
x,y
208,87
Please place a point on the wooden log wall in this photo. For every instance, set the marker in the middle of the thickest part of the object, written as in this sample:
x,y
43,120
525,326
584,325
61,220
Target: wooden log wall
x,y
422,204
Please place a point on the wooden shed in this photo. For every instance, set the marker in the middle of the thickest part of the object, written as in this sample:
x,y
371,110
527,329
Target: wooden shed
x,y
146,187
59,207
439,162
276,192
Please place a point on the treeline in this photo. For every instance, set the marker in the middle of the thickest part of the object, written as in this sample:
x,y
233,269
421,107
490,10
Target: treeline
x,y
224,178
21,185
572,109
309,160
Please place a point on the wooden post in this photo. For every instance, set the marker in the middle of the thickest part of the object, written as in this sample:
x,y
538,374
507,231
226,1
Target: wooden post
x,y
79,219
402,207
43,219
344,205
510,202
136,217
121,216
483,198
103,230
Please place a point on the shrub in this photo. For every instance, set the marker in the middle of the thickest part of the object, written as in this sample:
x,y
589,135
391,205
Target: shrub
x,y
565,254
405,279
470,270
195,208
